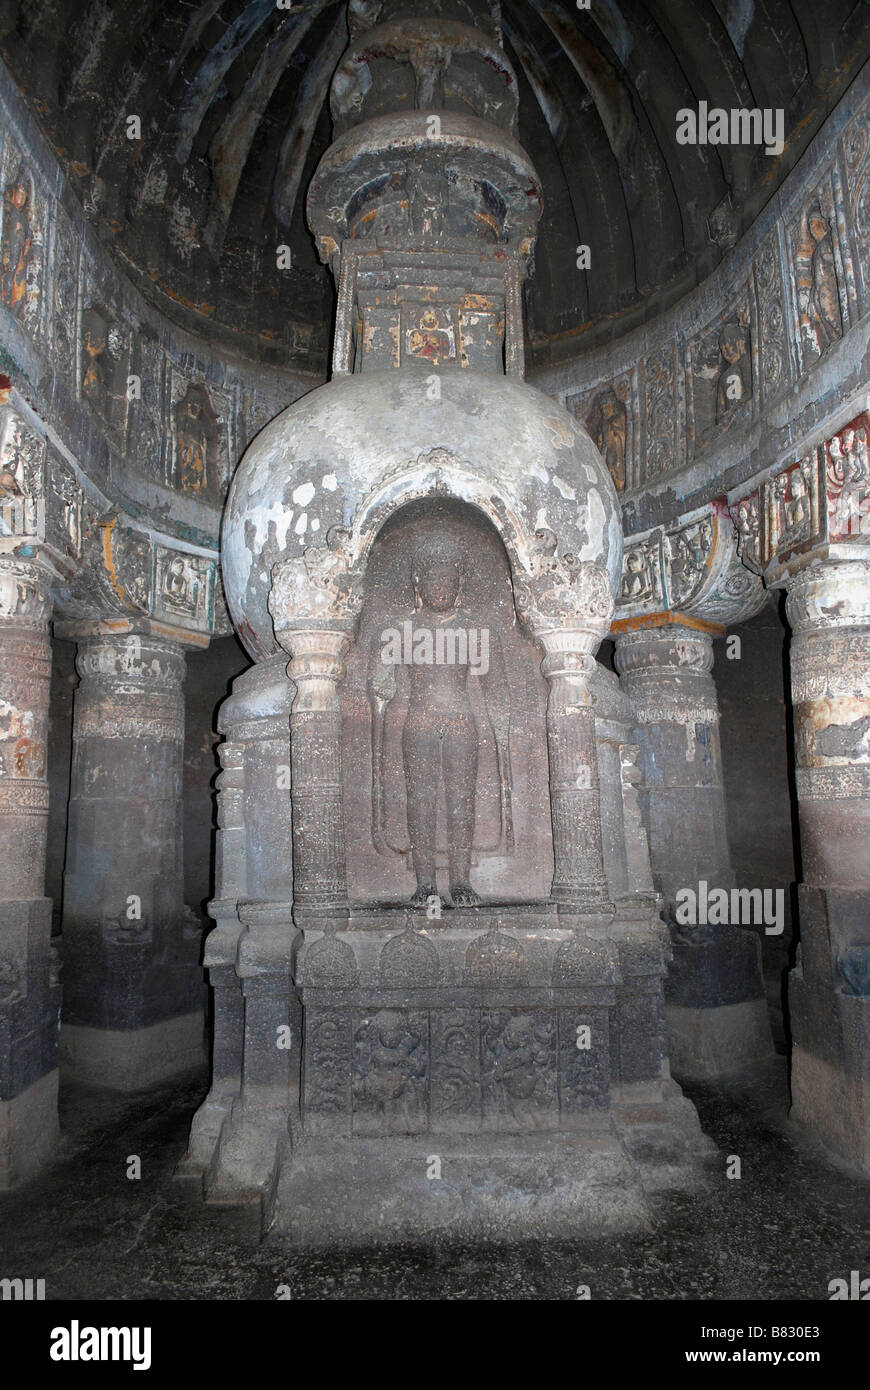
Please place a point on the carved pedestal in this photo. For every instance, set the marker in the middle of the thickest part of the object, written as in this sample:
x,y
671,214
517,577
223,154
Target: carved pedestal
x,y
716,1008
456,1063
828,607
29,989
133,1002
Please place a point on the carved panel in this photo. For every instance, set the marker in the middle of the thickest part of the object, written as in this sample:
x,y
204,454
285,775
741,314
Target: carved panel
x,y
660,405
391,1071
456,1080
847,478
183,588
22,242
327,1059
720,376
200,437
584,1061
610,414
519,1058
818,289
22,470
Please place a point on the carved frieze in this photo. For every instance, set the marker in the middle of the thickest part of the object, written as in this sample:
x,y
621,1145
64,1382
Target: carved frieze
x,y
319,589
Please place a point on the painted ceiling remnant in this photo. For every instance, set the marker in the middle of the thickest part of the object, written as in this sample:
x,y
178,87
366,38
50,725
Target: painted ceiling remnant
x,y
232,101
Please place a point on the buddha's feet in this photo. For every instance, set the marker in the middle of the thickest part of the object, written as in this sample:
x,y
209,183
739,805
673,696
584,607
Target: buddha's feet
x,y
423,893
463,895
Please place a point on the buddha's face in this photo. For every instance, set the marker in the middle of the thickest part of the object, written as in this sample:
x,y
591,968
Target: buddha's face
x,y
732,349
438,585
818,227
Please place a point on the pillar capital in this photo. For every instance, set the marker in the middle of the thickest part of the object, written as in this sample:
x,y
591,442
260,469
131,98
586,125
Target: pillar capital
x,y
25,593
829,595
667,672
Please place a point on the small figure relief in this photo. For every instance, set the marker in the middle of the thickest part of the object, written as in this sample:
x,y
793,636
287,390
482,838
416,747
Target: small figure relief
x,y
21,482
721,376
735,375
196,445
792,509
427,192
436,653
848,481
432,337
63,522
747,521
820,319
639,578
519,1069
19,263
607,423
182,584
687,556
390,1056
105,358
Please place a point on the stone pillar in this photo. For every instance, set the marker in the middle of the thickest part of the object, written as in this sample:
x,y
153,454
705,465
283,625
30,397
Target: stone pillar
x,y
239,1131
29,989
578,879
315,604
715,1002
567,608
133,1008
317,668
828,607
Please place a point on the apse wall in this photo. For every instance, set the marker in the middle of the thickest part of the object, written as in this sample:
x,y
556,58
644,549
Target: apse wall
x,y
121,414
652,399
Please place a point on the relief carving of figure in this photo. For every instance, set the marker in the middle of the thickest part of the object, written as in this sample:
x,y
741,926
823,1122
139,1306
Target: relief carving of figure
x,y
196,440
794,507
734,383
819,312
637,581
18,250
848,482
824,298
748,523
520,1064
440,646
390,1065
607,424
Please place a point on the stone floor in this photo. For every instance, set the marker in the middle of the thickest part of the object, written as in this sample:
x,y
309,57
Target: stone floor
x,y
793,1222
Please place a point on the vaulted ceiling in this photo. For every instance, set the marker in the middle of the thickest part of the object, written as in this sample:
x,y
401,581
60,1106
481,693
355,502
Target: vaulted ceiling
x,y
232,96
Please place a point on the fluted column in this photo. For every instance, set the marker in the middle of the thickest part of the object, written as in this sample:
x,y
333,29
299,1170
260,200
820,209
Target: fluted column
x,y
29,989
133,1011
715,1002
578,878
567,607
317,668
828,607
315,604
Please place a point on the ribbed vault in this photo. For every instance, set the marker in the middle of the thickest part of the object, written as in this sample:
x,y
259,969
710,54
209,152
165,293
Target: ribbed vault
x,y
232,96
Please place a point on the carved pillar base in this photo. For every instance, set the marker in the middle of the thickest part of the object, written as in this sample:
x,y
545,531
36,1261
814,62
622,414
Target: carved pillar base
x,y
134,996
828,607
29,988
716,1009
